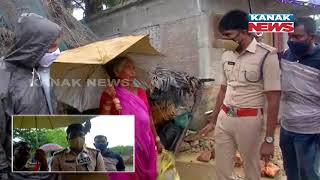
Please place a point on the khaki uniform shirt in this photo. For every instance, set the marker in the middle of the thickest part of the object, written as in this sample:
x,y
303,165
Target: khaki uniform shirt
x,y
66,160
246,78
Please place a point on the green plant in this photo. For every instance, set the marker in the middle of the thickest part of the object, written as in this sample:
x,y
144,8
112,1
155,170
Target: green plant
x,y
38,137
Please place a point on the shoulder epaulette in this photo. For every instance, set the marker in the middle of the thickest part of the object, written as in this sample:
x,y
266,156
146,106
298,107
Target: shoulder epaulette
x,y
267,47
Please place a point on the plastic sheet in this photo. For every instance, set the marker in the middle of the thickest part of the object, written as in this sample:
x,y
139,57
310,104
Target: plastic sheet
x,y
182,120
166,167
300,94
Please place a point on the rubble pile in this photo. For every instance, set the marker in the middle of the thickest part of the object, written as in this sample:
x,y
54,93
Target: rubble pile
x,y
194,143
205,148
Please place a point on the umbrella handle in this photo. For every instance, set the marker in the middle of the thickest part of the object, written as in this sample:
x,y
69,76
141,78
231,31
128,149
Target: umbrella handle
x,y
116,102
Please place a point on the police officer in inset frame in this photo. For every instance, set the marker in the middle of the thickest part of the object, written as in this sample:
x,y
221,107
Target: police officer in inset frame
x,y
250,78
77,157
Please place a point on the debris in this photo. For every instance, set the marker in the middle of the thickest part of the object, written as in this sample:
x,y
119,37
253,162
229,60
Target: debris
x,y
194,150
194,143
202,144
184,147
198,143
238,160
213,154
205,156
192,137
269,169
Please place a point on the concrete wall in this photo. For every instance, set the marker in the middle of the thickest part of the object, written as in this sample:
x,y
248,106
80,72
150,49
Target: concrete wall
x,y
182,30
179,29
173,27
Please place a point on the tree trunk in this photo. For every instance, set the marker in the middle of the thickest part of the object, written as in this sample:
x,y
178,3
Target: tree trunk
x,y
93,7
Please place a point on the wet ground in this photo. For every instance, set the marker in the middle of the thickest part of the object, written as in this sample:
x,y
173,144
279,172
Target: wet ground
x,y
191,169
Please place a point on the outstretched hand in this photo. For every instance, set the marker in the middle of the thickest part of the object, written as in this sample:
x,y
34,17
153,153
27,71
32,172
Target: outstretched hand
x,y
205,131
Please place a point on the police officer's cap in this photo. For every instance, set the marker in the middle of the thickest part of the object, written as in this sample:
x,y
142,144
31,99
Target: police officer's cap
x,y
74,128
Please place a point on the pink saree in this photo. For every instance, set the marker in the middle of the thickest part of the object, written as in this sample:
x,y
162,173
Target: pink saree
x,y
145,149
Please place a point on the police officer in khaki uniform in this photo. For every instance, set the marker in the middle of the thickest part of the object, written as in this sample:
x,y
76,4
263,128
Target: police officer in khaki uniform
x,y
250,78
77,157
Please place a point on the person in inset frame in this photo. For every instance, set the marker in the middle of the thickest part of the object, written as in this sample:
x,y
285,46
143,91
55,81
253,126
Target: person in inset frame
x,y
77,157
41,161
112,161
21,155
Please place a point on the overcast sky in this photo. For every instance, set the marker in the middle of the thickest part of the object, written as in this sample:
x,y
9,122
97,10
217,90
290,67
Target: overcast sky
x,y
78,13
118,129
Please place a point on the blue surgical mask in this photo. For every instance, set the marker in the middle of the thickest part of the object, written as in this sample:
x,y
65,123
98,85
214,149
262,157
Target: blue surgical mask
x,y
298,48
48,58
101,147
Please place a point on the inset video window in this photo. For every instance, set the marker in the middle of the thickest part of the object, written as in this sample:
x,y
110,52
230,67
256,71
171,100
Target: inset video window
x,y
73,143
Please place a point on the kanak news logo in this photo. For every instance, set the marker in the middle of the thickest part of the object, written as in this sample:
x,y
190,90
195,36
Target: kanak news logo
x,y
271,23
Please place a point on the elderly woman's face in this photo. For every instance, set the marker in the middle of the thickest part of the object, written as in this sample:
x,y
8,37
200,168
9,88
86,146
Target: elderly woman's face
x,y
128,71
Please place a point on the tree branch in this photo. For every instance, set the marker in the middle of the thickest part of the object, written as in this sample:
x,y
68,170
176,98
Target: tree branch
x,y
79,4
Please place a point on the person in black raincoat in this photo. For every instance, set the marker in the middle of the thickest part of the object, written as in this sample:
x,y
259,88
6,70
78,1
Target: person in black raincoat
x,y
25,82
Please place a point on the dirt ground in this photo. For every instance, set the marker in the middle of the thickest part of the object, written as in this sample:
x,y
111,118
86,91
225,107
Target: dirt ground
x,y
190,169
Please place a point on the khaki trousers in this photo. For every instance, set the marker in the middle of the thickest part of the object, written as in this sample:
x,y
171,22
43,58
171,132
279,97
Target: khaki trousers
x,y
242,134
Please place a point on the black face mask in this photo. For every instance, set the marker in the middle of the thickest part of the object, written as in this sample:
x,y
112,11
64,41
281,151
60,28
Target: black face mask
x,y
298,48
101,146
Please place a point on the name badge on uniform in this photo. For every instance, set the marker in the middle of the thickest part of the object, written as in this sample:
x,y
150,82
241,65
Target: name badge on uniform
x,y
83,159
231,63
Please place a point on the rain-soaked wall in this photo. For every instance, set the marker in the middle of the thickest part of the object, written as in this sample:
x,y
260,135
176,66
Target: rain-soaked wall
x,y
180,29
172,25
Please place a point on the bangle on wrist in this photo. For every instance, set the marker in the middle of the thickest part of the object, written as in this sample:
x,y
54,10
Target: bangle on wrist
x,y
158,139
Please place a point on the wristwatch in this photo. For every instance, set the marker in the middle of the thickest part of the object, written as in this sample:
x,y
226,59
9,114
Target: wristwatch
x,y
269,139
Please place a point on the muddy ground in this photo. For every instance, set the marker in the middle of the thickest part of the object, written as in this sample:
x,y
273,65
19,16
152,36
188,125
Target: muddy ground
x,y
190,169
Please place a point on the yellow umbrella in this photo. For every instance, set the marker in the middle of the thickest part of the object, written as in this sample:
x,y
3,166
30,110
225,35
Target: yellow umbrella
x,y
45,121
102,52
80,78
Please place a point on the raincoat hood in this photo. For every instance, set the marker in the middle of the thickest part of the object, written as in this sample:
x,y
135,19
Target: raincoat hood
x,y
34,35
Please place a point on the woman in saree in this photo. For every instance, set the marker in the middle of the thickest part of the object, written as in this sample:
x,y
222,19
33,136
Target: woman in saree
x,y
125,99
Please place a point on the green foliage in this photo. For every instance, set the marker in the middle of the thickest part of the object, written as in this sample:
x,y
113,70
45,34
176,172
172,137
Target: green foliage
x,y
123,150
38,137
111,3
